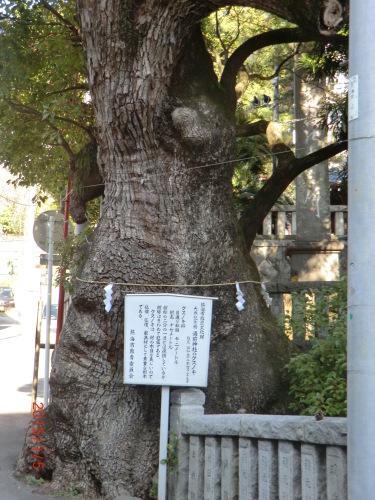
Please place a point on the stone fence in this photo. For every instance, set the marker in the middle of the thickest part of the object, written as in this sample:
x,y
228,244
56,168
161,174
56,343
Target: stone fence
x,y
294,290
251,457
279,232
282,220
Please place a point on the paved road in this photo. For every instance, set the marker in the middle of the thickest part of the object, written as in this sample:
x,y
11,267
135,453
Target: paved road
x,y
17,343
17,340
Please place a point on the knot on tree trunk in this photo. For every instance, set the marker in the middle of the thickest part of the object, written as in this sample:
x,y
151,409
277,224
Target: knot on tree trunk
x,y
331,16
274,134
191,124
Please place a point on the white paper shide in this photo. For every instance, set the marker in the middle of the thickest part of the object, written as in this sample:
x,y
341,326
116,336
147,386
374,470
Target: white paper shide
x,y
167,339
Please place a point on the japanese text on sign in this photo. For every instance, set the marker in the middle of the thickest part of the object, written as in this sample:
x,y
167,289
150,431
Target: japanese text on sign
x,y
167,339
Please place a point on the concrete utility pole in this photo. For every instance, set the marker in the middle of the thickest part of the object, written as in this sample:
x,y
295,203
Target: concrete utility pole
x,y
361,287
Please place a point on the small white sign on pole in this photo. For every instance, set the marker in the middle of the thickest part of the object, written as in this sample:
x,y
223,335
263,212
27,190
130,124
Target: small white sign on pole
x,y
167,343
167,339
353,98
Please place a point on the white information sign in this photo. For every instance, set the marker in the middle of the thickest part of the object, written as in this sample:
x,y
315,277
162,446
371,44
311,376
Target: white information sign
x,y
353,98
167,339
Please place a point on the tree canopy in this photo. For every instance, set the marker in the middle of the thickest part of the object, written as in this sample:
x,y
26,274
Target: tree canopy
x,y
45,114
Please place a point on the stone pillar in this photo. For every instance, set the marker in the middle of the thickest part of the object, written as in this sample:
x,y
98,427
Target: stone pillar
x,y
336,472
185,402
314,482
314,256
289,465
267,469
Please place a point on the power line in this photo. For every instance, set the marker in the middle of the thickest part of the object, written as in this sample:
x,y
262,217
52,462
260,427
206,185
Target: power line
x,y
221,163
237,160
217,164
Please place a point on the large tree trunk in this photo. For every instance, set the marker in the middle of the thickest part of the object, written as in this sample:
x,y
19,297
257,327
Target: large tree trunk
x,y
161,116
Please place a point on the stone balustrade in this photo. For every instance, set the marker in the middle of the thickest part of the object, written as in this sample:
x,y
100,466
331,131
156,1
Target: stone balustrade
x,y
295,290
339,225
249,457
282,220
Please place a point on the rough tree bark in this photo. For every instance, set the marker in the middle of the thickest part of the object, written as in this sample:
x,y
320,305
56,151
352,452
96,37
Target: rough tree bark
x,y
168,218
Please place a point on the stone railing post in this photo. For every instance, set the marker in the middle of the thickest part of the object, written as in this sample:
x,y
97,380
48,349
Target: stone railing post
x,y
339,224
294,222
281,219
267,224
185,403
277,306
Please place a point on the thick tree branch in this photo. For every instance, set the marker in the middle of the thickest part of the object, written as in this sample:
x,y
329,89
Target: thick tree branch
x,y
273,6
289,167
275,37
251,129
314,16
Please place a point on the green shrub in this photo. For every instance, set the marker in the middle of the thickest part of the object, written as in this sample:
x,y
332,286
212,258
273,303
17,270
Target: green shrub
x,y
318,376
12,220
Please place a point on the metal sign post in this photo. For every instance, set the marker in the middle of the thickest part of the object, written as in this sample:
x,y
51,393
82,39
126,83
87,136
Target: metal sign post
x,y
48,311
49,230
163,444
167,343
60,307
